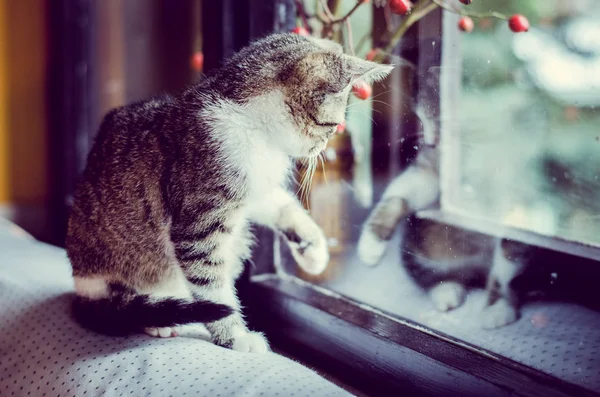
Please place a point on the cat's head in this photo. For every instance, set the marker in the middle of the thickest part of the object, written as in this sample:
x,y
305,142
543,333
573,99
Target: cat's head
x,y
298,87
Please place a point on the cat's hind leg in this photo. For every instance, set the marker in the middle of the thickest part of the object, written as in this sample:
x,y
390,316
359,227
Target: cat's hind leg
x,y
230,332
211,274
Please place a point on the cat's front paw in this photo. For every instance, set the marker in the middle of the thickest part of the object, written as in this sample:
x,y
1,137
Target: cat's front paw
x,y
370,247
308,245
499,314
250,342
447,296
312,257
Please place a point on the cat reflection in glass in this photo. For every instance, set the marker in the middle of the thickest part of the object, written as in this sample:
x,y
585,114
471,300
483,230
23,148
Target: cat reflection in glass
x,y
445,261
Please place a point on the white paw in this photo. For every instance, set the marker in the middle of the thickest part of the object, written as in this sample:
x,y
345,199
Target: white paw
x,y
312,258
162,332
370,248
498,315
447,296
250,342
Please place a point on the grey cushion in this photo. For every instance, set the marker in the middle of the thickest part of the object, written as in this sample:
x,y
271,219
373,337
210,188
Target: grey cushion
x,y
43,352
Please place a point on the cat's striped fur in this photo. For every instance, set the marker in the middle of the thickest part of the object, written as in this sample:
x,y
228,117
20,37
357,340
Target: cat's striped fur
x,y
160,224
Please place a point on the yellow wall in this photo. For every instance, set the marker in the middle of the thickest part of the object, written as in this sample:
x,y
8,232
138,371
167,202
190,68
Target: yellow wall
x,y
23,129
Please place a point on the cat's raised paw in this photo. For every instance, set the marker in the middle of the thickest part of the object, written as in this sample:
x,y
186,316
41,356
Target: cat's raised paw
x,y
250,342
370,248
447,296
162,332
498,315
312,258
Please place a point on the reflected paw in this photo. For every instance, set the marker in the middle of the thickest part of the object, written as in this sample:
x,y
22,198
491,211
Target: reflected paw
x,y
498,315
250,342
162,332
370,248
447,296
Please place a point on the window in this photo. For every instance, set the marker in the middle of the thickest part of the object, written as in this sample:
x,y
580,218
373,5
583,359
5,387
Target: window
x,y
526,146
513,122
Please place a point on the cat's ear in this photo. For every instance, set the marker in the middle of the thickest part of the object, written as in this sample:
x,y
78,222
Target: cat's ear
x,y
360,69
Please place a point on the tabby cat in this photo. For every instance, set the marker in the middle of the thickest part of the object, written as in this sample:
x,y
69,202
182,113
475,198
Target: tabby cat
x,y
160,221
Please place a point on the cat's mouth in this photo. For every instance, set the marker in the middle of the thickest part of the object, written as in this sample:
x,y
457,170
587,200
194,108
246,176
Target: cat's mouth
x,y
323,123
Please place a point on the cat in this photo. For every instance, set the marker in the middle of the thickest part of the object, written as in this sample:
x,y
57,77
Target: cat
x,y
443,260
159,226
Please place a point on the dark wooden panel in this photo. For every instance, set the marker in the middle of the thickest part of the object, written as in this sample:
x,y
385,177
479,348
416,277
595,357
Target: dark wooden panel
x,y
69,102
380,356
159,41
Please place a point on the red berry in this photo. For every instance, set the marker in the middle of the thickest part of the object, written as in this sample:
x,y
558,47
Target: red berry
x,y
371,54
467,2
197,61
518,23
300,30
400,7
341,127
466,24
362,90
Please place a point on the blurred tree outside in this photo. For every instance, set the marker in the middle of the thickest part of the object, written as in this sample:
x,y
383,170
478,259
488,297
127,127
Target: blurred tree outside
x,y
528,158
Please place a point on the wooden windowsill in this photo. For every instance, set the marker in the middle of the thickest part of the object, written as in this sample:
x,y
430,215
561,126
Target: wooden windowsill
x,y
380,354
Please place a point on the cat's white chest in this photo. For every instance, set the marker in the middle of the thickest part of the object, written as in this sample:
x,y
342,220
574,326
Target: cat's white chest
x,y
250,139
267,169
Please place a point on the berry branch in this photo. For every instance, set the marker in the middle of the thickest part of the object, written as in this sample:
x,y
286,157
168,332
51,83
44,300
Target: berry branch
x,y
422,8
332,26
303,15
345,17
327,11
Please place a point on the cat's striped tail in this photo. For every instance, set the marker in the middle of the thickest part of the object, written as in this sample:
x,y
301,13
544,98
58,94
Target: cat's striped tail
x,y
116,316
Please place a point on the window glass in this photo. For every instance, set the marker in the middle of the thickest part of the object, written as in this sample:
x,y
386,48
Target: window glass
x,y
529,125
488,125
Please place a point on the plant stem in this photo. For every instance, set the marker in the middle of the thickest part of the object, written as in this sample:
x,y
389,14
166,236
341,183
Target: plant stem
x,y
350,42
318,14
328,13
345,17
491,14
302,11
